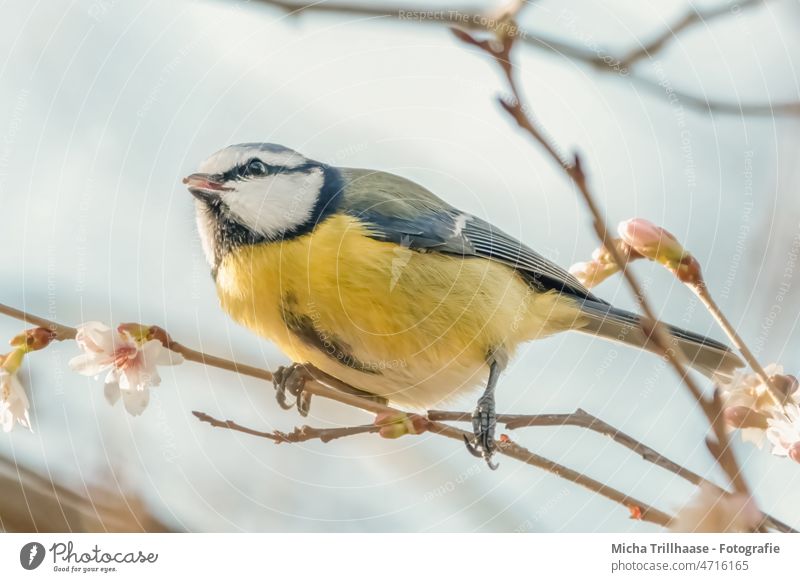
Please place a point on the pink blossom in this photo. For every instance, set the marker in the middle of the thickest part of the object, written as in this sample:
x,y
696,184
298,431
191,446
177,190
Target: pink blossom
x,y
131,362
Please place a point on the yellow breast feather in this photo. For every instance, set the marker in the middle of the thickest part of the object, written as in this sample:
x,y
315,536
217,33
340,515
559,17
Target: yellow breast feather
x,y
410,320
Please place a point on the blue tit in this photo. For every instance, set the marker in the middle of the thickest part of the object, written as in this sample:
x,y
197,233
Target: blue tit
x,y
378,282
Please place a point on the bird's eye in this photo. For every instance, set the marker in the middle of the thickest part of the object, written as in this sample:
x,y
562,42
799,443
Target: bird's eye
x,y
256,168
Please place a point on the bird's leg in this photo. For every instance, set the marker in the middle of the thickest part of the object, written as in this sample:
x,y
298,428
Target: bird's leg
x,y
484,419
292,379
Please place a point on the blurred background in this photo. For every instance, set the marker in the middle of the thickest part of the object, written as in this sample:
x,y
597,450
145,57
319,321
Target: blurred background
x,y
106,105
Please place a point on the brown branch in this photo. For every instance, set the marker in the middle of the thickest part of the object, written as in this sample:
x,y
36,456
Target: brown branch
x,y
511,449
692,17
298,435
471,20
651,327
62,332
701,290
217,362
505,447
582,419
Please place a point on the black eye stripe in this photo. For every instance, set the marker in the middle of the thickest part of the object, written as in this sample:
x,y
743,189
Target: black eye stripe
x,y
240,172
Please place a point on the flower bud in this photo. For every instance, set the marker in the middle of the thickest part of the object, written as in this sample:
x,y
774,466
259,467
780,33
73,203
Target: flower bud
x,y
34,339
658,244
650,241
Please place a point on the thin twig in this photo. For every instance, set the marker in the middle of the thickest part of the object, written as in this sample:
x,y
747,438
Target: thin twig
x,y
582,419
471,20
689,19
217,362
651,327
701,290
511,449
505,447
62,332
298,435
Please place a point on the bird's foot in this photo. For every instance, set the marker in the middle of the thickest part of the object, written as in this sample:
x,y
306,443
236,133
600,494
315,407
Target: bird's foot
x,y
484,421
292,379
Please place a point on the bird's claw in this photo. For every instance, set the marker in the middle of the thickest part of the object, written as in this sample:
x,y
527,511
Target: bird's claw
x,y
292,379
484,421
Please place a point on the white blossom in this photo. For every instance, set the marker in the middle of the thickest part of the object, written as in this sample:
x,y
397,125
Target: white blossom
x,y
131,362
784,433
14,403
748,404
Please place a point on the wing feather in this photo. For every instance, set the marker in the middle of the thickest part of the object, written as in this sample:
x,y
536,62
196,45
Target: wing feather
x,y
398,210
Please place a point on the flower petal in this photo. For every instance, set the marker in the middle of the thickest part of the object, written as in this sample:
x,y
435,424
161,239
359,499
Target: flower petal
x,y
88,365
135,401
112,393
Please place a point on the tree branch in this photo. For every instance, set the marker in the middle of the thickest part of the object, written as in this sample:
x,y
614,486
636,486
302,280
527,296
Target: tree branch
x,y
298,435
472,20
62,332
645,512
582,419
689,19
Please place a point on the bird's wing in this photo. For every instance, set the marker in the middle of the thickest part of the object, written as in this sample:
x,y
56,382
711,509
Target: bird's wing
x,y
398,210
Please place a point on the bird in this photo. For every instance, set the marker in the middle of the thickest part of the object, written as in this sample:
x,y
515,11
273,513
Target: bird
x,y
376,281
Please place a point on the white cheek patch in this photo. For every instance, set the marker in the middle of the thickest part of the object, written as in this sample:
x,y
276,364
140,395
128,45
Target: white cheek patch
x,y
275,204
206,224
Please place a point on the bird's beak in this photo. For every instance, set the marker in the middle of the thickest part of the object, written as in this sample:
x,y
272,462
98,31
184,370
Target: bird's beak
x,y
204,186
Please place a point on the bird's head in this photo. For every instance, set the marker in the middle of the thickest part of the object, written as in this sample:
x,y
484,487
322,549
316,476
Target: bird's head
x,y
251,193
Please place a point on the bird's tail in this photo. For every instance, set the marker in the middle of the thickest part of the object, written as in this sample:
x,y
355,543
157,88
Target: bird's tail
x,y
705,355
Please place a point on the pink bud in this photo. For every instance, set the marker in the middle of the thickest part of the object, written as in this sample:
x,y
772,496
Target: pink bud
x,y
650,240
744,417
658,244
